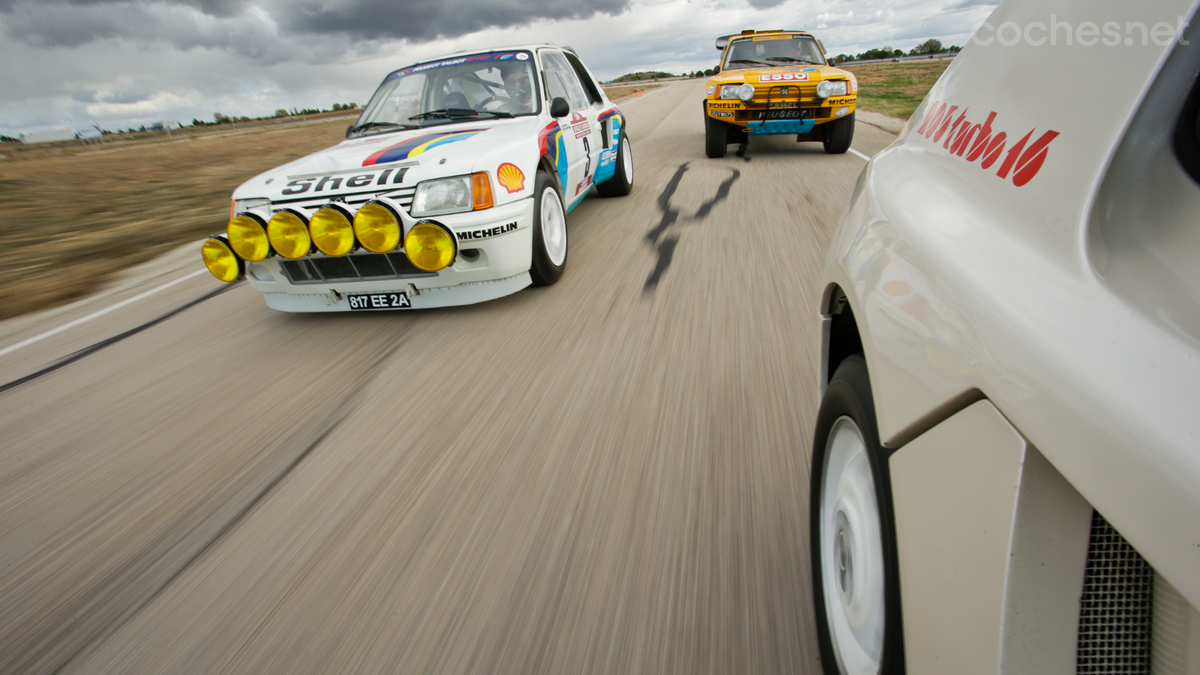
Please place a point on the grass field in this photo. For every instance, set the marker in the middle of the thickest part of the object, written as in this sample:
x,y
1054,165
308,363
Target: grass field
x,y
896,89
618,92
74,215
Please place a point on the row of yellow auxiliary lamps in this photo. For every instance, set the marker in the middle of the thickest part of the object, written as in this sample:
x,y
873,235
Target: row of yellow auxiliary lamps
x,y
430,246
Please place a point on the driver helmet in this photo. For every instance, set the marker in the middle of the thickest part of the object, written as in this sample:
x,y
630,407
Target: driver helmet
x,y
516,81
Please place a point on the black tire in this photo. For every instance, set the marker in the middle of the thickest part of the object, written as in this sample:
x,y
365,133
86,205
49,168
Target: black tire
x,y
542,269
847,406
621,182
839,134
715,137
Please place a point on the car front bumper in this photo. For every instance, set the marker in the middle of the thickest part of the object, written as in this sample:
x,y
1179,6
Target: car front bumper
x,y
494,255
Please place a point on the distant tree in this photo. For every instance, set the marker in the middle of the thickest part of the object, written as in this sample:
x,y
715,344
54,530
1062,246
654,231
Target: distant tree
x,y
954,49
708,72
281,113
930,46
9,139
218,118
197,123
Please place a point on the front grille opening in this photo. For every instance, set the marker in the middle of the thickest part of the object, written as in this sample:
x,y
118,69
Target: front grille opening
x,y
319,269
1116,606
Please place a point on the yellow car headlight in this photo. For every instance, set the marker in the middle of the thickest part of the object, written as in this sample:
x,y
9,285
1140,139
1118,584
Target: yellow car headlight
x,y
430,246
288,234
248,237
331,230
377,228
221,260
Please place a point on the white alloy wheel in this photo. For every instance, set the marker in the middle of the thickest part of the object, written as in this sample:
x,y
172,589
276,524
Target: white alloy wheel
x,y
627,160
554,226
851,544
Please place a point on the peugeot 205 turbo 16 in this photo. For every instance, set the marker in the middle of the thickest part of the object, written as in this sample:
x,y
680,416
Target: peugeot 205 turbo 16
x,y
452,187
1006,461
778,82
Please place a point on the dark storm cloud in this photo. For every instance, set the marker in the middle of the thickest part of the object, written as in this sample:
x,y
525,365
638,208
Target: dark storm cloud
x,y
188,24
181,26
423,20
764,4
218,8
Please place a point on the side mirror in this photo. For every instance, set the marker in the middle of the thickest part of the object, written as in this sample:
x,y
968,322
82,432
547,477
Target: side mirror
x,y
559,107
349,130
716,69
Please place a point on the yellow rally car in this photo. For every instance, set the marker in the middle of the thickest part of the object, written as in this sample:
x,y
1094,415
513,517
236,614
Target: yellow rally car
x,y
778,82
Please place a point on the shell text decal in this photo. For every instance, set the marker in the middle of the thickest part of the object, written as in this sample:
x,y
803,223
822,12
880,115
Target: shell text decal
x,y
510,177
978,141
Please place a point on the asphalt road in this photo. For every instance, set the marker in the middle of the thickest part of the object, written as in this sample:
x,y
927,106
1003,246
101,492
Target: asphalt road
x,y
608,475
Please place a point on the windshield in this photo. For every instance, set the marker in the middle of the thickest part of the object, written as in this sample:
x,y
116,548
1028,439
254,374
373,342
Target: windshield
x,y
773,51
462,88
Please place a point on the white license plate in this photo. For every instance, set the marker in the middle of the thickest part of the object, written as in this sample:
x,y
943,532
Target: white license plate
x,y
379,301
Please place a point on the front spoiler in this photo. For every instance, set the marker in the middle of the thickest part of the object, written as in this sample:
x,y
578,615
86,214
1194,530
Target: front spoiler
x,y
770,127
449,296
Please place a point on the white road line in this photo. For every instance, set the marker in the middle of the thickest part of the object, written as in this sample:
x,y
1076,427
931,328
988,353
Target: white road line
x,y
859,154
94,315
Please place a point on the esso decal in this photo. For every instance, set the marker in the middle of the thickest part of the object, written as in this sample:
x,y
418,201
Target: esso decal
x,y
783,77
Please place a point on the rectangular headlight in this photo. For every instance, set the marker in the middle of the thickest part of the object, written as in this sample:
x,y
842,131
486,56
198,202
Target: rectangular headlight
x,y
840,87
445,195
243,205
729,90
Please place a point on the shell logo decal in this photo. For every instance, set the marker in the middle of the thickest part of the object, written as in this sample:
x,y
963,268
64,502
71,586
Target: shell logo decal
x,y
511,177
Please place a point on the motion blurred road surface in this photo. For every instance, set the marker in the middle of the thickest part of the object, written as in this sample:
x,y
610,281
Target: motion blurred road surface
x,y
608,475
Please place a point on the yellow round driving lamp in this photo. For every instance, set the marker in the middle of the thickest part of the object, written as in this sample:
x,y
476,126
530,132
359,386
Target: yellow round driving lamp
x,y
430,246
220,259
331,230
248,237
377,227
288,233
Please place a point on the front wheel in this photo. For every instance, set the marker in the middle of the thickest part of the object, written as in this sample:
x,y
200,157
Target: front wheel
x,y
839,134
855,570
715,138
549,232
621,182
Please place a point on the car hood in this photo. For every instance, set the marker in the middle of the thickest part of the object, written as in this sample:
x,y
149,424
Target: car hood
x,y
430,152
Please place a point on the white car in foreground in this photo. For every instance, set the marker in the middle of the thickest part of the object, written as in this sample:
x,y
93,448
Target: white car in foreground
x,y
452,188
1006,462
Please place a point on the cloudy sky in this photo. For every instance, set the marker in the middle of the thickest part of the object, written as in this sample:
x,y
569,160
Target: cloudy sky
x,y
123,63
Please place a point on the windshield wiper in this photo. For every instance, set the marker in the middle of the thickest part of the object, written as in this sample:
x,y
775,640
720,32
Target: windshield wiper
x,y
789,59
376,125
757,63
446,112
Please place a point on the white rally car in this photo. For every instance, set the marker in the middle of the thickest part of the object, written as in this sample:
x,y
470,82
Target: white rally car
x,y
1006,461
452,188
